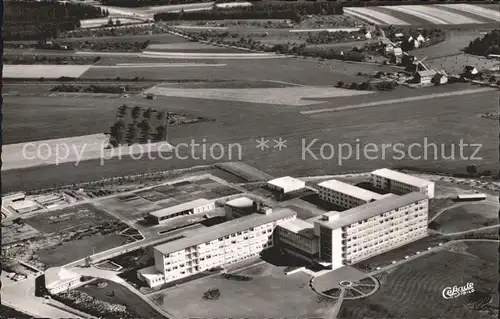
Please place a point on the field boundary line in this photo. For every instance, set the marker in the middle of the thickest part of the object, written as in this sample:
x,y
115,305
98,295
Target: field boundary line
x,y
394,101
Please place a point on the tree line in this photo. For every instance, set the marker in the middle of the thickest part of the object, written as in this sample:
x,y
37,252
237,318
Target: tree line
x,y
260,10
31,20
138,125
488,44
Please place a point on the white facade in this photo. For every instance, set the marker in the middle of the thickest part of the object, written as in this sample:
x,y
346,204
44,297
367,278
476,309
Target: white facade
x,y
286,184
239,207
399,183
218,246
357,234
58,279
198,206
345,195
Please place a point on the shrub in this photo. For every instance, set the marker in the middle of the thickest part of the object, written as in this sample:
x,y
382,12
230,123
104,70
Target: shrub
x,y
211,294
340,84
354,86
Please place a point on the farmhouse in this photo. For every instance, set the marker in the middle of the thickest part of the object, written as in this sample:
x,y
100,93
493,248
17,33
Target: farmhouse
x,y
197,206
59,279
424,77
399,183
286,185
345,195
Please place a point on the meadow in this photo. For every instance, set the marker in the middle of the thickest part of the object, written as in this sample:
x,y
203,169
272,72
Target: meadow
x,y
414,289
270,293
238,122
466,217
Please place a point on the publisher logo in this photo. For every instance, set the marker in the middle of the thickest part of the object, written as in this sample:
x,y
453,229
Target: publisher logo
x,y
455,291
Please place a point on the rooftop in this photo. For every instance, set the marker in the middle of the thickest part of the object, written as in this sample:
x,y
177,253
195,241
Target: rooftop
x,y
224,229
57,276
181,207
300,227
287,182
350,190
425,73
372,209
400,177
240,202
150,273
23,204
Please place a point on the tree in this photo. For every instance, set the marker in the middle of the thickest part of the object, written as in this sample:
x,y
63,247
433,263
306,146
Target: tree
x,y
147,113
354,86
122,110
110,22
365,86
135,112
145,131
118,132
340,84
118,22
471,169
133,134
161,133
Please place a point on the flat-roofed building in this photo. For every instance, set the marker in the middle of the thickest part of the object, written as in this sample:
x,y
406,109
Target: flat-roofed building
x,y
345,195
399,183
198,206
297,237
286,184
371,229
24,206
151,277
239,207
59,279
218,245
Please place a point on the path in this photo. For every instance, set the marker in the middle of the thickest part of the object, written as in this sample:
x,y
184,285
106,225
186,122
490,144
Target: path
x,y
458,204
395,101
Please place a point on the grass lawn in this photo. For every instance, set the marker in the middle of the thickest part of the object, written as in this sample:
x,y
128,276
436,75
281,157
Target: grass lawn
x,y
399,253
7,312
414,289
115,293
436,204
74,218
77,249
270,293
466,217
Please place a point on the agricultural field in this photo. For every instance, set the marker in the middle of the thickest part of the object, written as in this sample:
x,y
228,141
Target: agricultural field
x,y
135,206
67,235
190,47
412,291
269,293
292,96
466,217
410,119
70,150
72,218
448,14
12,232
47,71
